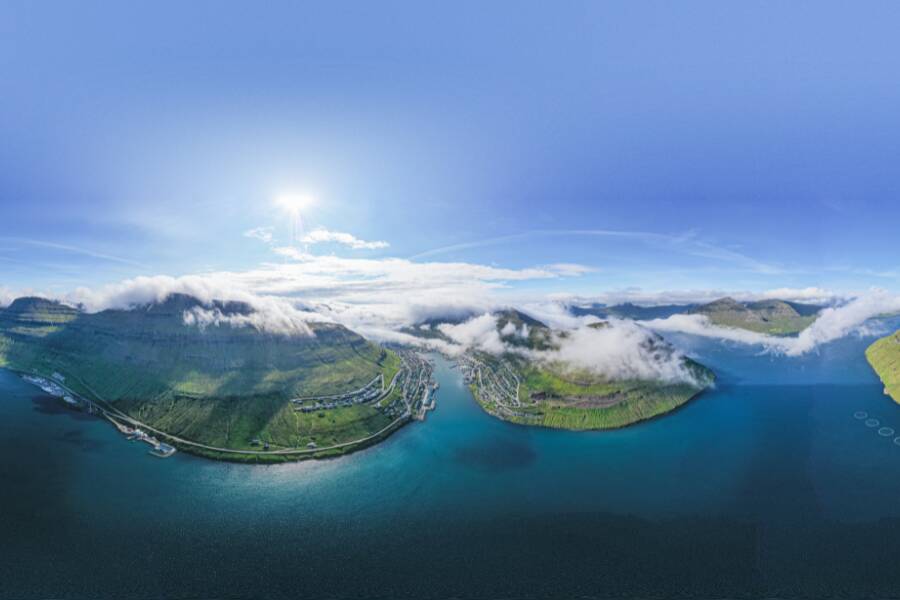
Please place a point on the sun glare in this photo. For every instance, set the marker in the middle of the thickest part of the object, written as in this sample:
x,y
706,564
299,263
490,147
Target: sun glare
x,y
294,203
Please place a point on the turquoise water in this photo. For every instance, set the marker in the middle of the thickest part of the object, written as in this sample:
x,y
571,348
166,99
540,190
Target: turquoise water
x,y
767,485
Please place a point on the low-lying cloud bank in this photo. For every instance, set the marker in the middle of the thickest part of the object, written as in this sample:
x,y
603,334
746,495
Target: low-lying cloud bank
x,y
832,323
623,350
268,313
379,298
274,318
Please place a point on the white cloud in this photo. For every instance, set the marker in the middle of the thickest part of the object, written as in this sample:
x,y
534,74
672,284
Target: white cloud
x,y
263,234
322,236
687,243
621,351
478,332
269,313
271,318
6,296
832,323
812,295
369,296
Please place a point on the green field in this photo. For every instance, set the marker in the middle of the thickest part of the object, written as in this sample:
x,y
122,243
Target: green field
x,y
551,400
555,395
884,356
221,386
773,317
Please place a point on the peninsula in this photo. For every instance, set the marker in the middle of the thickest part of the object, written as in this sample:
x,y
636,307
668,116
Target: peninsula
x,y
221,391
521,386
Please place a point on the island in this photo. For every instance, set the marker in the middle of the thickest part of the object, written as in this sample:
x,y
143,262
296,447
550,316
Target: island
x,y
518,387
884,356
218,390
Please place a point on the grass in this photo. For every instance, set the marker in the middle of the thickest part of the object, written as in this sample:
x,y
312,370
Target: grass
x,y
221,386
785,326
634,400
884,356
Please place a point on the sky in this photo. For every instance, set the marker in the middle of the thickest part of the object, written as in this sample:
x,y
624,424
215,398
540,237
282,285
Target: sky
x,y
363,152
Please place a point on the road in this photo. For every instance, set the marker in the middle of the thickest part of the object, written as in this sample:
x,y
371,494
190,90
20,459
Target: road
x,y
110,412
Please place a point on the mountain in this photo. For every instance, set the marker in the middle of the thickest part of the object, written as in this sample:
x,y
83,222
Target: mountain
x,y
884,356
774,317
518,329
223,385
526,385
631,311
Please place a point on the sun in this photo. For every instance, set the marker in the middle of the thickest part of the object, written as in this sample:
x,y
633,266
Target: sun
x,y
294,204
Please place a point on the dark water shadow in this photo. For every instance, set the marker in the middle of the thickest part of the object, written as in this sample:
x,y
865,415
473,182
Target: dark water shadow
x,y
77,438
496,454
51,405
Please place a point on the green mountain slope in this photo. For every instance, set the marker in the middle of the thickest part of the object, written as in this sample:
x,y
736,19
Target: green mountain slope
x,y
774,317
632,311
220,385
517,388
884,356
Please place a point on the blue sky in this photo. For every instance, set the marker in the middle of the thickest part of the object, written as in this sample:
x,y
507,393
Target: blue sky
x,y
658,146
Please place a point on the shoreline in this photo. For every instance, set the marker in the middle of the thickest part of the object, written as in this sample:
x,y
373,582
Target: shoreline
x,y
103,409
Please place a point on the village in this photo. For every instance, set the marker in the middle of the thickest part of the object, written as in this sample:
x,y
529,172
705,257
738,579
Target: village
x,y
410,391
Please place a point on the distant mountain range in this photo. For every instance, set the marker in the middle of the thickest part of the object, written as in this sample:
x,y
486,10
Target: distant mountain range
x,y
774,317
220,385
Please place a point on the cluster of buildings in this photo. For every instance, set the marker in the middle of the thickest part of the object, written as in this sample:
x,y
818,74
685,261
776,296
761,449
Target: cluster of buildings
x,y
368,393
416,386
496,384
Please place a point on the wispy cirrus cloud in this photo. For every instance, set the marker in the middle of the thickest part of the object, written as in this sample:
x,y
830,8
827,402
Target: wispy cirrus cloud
x,y
688,243
74,250
325,236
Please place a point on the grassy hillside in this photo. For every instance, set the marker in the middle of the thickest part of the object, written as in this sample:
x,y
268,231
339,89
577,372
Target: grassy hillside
x,y
632,311
884,356
222,385
774,317
517,389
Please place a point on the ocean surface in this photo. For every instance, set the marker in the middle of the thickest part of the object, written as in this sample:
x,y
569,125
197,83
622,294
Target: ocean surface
x,y
774,484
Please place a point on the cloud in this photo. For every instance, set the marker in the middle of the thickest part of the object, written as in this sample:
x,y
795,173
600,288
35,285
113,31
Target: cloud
x,y
370,296
263,234
271,318
270,314
836,322
832,323
322,236
74,250
686,243
478,332
6,296
812,295
621,351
